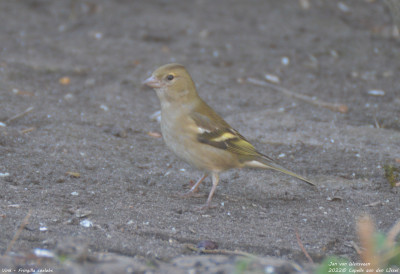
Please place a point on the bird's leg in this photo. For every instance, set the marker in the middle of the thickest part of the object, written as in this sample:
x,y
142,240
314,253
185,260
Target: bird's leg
x,y
194,187
215,180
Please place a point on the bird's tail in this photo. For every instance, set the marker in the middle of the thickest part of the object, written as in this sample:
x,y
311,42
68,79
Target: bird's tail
x,y
266,162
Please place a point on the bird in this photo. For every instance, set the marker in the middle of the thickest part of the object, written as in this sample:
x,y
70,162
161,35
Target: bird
x,y
198,135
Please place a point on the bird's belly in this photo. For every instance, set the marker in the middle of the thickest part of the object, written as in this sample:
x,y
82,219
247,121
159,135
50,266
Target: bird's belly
x,y
201,156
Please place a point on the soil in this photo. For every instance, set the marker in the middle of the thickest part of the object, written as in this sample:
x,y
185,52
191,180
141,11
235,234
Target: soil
x,y
98,189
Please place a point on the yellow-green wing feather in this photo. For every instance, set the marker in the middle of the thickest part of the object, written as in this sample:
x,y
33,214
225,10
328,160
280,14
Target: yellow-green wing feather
x,y
214,131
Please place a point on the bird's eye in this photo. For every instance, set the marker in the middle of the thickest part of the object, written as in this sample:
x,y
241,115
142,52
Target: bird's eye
x,y
170,77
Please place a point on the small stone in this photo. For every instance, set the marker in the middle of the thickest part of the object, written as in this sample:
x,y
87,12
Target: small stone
x,y
156,116
69,97
44,253
285,61
207,245
343,7
118,131
86,223
104,107
81,213
272,78
376,92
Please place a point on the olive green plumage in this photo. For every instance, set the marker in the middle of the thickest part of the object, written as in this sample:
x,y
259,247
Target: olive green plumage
x,y
197,134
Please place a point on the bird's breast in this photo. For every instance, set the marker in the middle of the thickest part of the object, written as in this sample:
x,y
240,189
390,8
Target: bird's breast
x,y
180,135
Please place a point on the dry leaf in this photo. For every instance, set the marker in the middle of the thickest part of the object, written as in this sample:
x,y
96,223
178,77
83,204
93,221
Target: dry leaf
x,y
154,134
64,81
73,174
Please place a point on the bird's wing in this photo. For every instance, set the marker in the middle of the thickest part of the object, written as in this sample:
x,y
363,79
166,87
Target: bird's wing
x,y
214,131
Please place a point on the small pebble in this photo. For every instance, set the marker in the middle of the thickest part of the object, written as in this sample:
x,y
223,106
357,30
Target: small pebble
x,y
14,206
376,92
343,7
104,107
285,61
86,223
272,78
118,131
82,213
156,116
270,269
39,252
207,245
96,35
334,53
69,96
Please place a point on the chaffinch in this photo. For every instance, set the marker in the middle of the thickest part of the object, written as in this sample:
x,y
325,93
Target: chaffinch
x,y
198,135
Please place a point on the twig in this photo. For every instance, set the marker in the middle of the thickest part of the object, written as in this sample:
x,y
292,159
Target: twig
x,y
374,203
302,248
342,108
377,125
220,251
27,130
16,235
29,109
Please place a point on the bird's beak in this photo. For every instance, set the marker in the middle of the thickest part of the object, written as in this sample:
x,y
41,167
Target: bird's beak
x,y
152,82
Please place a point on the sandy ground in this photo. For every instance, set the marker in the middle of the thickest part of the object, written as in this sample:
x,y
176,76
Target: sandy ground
x,y
83,155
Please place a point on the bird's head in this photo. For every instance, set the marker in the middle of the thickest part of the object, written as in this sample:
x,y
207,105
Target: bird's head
x,y
172,83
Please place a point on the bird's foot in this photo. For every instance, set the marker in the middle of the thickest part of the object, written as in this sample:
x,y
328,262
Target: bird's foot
x,y
194,189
